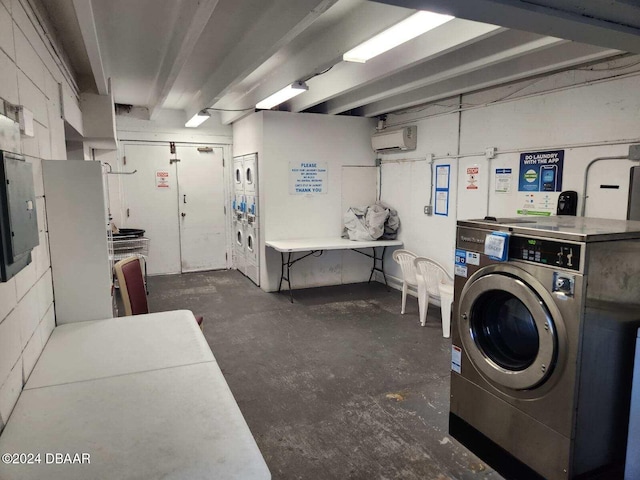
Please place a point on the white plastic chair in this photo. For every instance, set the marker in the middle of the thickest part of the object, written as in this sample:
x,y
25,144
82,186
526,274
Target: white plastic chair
x,y
434,281
405,259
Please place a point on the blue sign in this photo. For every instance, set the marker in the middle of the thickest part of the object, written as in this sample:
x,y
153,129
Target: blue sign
x,y
541,171
461,257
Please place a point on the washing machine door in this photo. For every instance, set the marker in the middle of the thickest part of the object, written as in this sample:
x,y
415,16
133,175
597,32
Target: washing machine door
x,y
507,327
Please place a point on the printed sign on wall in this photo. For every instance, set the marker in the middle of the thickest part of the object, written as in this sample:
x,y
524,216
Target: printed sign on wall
x,y
503,180
307,178
472,177
541,171
443,172
162,179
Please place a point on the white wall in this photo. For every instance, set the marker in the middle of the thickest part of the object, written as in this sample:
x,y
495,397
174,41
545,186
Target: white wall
x,y
167,127
405,184
582,112
280,138
29,76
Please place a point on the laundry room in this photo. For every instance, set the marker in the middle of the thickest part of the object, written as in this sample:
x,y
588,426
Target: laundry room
x,y
321,239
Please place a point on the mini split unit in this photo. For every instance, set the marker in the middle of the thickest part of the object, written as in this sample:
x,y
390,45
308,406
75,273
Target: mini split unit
x,y
395,139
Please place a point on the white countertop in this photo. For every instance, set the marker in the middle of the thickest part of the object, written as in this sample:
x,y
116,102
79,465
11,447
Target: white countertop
x,y
99,349
326,243
142,395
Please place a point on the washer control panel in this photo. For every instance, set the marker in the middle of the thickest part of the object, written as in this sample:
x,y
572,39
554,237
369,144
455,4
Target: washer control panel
x,y
547,252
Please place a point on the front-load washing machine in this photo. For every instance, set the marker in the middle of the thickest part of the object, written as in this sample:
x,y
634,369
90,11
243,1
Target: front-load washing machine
x,y
544,317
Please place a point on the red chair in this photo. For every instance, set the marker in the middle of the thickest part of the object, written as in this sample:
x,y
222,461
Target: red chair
x,y
133,290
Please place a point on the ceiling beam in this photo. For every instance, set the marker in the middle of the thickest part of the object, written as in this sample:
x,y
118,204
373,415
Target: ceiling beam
x,y
535,18
315,56
189,26
508,45
86,20
563,56
281,22
346,77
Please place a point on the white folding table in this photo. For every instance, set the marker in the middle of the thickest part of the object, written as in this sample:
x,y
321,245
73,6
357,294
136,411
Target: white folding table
x,y
142,395
318,245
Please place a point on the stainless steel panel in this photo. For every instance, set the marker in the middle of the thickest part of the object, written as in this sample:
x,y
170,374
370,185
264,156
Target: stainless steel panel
x,y
614,272
605,379
535,444
577,229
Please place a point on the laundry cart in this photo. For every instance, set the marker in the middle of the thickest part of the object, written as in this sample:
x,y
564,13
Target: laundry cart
x,y
129,243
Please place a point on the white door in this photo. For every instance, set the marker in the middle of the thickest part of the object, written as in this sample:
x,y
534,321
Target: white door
x,y
151,203
201,205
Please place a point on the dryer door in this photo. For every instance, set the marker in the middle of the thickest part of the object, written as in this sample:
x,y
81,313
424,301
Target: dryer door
x,y
507,329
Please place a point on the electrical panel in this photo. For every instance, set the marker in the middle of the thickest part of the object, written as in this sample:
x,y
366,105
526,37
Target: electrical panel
x,y
18,218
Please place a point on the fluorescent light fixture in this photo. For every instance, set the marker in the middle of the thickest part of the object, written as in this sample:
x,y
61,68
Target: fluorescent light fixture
x,y
287,93
197,119
402,32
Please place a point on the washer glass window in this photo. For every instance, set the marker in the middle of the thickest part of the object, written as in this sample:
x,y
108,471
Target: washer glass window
x,y
505,330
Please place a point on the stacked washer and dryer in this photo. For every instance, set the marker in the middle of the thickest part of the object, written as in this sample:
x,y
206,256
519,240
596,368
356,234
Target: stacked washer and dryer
x,y
544,327
246,224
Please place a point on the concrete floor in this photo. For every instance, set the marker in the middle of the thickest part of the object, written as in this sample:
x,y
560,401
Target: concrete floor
x,y
338,385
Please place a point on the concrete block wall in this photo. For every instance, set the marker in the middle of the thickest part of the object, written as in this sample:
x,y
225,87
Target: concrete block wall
x,y
29,76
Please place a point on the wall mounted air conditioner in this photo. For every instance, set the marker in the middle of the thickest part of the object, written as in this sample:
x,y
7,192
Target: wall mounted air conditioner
x,y
395,139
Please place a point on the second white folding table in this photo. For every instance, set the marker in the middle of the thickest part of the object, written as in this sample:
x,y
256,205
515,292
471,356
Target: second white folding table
x,y
288,248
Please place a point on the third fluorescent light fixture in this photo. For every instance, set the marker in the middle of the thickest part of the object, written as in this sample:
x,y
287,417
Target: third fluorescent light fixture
x,y
197,119
409,28
288,92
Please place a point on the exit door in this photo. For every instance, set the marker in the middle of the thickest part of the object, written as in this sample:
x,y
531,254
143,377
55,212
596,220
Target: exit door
x,y
201,204
179,201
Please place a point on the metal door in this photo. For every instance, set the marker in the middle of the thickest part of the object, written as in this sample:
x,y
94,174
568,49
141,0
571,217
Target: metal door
x,y
250,174
151,203
201,201
238,174
239,245
507,327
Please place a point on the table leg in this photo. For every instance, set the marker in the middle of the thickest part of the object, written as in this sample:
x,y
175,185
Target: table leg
x,y
288,263
289,277
375,268
281,271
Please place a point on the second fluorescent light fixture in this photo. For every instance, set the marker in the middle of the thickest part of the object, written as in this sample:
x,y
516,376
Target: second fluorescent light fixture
x,y
287,93
197,119
402,32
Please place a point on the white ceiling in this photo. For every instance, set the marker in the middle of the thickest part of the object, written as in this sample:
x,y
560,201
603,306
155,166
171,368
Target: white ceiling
x,y
229,54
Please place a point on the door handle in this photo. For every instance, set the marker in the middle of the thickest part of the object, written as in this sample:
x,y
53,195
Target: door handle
x,y
183,214
184,199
